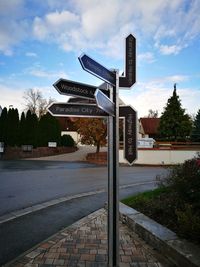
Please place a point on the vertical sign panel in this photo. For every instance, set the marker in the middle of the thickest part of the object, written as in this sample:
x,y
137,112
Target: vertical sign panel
x,y
130,132
130,64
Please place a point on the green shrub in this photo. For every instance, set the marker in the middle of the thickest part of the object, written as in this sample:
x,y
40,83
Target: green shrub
x,y
184,180
176,202
67,140
189,223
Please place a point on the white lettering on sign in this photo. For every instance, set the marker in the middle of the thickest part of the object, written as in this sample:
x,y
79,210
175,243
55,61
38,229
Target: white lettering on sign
x,y
67,110
130,120
74,88
101,71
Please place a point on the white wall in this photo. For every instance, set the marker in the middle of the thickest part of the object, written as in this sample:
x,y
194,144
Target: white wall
x,y
160,156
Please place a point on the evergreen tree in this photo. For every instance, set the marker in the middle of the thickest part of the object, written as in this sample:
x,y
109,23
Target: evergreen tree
x,y
174,123
31,129
22,129
195,135
48,130
12,127
34,137
28,128
3,126
16,126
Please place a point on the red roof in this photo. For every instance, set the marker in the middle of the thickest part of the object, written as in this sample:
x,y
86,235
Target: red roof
x,y
150,125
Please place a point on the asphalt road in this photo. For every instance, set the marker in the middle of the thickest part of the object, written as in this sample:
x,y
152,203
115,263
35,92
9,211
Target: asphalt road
x,y
26,183
23,233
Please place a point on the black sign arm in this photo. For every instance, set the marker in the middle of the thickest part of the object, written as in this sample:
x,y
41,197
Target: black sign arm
x,y
130,63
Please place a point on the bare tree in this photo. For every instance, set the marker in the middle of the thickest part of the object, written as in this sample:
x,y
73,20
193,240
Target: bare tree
x,y
153,113
35,102
43,104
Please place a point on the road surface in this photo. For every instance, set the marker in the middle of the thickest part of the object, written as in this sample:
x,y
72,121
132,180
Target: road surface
x,y
27,183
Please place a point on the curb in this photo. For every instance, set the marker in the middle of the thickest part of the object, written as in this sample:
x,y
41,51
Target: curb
x,y
178,251
15,214
18,213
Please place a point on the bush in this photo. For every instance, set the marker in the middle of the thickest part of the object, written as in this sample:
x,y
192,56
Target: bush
x,y
184,180
189,223
67,140
176,202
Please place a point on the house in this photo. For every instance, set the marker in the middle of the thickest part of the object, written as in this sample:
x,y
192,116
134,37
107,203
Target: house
x,y
148,127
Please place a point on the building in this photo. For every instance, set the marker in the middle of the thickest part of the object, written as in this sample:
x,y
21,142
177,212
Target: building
x,y
148,127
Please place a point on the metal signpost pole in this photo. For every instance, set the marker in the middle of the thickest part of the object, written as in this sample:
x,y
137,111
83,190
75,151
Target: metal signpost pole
x,y
113,204
110,190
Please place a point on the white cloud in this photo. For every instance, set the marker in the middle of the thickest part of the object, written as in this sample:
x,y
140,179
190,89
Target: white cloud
x,y
150,96
11,34
161,81
54,25
154,94
31,54
11,97
178,27
14,98
80,25
170,49
14,7
41,73
14,27
147,57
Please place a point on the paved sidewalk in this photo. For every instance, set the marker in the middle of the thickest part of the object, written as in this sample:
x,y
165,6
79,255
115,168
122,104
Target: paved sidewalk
x,y
85,244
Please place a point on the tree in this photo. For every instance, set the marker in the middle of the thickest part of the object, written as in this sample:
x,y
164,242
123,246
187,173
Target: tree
x,y
67,140
35,102
174,123
12,127
153,113
195,135
31,129
22,129
48,130
92,131
3,126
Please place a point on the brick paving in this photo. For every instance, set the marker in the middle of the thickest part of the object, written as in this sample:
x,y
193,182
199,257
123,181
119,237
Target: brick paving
x,y
85,244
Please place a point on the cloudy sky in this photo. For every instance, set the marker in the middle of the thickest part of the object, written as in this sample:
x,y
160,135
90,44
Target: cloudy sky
x,y
40,42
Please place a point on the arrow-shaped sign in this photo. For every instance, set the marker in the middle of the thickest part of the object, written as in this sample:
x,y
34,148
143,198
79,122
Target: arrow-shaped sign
x,y
72,88
104,103
130,56
75,110
130,132
93,67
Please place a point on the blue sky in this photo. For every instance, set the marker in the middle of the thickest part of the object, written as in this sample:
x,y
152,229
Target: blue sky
x,y
40,42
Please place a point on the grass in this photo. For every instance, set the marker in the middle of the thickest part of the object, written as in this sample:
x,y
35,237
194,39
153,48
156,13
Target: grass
x,y
163,206
143,197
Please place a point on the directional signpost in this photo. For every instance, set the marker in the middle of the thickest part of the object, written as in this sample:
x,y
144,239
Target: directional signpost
x,y
76,110
93,67
104,102
130,132
67,87
130,63
107,100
